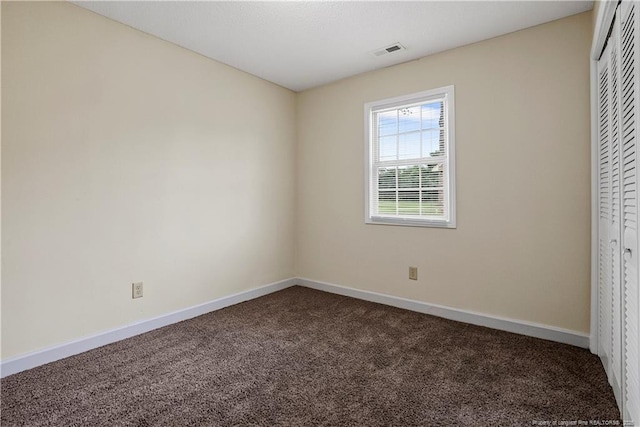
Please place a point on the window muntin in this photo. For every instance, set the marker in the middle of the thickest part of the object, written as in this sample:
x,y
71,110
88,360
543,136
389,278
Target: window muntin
x,y
410,160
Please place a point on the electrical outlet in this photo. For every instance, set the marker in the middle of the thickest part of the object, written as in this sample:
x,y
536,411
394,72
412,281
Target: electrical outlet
x,y
136,290
413,273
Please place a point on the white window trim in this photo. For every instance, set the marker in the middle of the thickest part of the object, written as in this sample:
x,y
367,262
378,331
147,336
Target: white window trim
x,y
448,92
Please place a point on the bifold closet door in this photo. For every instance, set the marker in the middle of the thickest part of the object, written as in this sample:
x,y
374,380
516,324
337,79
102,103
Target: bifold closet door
x,y
616,160
618,296
604,211
628,131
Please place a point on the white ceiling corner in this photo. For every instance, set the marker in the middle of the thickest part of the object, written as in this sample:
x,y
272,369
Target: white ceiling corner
x,y
304,44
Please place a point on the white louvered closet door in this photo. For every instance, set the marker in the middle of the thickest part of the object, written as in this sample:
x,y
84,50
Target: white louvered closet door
x,y
615,236
628,130
604,209
618,109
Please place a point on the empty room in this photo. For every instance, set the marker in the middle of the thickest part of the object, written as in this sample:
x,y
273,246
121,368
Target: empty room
x,y
367,213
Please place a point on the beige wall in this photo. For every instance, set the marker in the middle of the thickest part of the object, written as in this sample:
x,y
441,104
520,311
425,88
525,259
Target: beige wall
x,y
126,158
521,249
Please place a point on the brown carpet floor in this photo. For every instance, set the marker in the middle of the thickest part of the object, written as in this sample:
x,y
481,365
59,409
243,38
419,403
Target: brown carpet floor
x,y
301,357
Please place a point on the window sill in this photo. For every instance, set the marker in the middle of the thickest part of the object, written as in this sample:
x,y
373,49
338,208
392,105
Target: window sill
x,y
410,222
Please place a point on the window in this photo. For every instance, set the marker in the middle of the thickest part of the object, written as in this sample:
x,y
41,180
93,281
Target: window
x,y
410,160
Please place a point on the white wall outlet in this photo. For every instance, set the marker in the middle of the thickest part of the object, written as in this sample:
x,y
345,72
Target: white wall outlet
x,y
413,273
136,290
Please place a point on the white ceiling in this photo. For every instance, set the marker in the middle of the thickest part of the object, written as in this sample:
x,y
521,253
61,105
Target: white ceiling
x,y
303,44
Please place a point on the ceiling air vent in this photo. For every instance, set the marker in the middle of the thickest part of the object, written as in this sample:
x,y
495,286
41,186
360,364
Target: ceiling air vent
x,y
396,47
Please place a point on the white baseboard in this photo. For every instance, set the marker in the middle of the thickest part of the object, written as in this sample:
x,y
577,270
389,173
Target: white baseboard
x,y
51,354
521,327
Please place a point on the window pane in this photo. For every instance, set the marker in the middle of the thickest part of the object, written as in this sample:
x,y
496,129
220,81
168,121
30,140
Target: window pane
x,y
409,169
408,203
409,119
388,149
432,143
409,145
408,177
387,202
433,203
388,123
386,178
433,115
432,175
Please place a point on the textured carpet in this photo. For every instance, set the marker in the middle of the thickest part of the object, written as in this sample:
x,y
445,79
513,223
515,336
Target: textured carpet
x,y
301,357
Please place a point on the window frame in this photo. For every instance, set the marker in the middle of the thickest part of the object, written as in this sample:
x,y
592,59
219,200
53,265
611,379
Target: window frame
x,y
449,184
